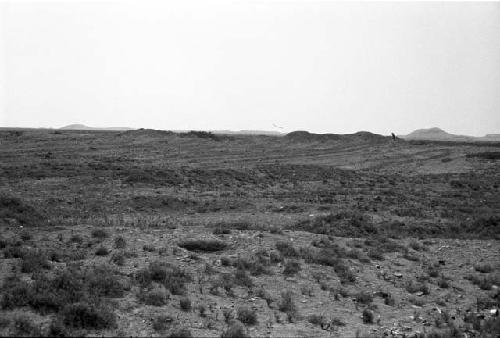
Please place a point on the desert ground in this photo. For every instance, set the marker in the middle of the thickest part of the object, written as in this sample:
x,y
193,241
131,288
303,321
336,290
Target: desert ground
x,y
153,233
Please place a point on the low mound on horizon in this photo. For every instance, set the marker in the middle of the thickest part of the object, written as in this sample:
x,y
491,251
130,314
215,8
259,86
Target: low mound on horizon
x,y
305,136
435,134
78,126
438,134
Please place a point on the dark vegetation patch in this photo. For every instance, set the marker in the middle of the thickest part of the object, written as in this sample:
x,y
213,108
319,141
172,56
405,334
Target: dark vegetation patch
x,y
484,282
15,210
343,224
348,224
148,203
487,155
227,227
203,245
152,176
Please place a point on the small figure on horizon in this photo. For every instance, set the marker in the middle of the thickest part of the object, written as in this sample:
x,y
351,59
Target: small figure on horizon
x,y
393,137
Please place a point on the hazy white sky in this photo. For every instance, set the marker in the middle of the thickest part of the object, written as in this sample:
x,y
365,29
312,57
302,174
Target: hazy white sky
x,y
319,66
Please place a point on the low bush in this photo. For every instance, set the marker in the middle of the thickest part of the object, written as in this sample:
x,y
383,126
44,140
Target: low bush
x,y
26,235
276,257
443,283
13,208
76,239
148,248
99,234
102,251
433,271
416,301
241,278
364,297
368,316
103,281
491,327
120,242
389,300
483,268
221,231
34,261
162,323
172,277
181,333
247,316
329,257
58,329
414,287
88,316
14,252
416,245
225,261
235,329
257,265
185,304
410,256
375,254
484,282
287,305
316,319
16,293
156,296
291,268
337,322
118,258
24,326
287,249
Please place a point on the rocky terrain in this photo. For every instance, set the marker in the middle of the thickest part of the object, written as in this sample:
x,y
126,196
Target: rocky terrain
x,y
155,233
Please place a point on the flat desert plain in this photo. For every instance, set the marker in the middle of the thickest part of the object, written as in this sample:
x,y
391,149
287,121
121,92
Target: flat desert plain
x,y
154,233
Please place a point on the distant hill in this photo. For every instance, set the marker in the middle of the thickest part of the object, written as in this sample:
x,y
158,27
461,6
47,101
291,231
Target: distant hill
x,y
305,136
84,127
491,137
437,134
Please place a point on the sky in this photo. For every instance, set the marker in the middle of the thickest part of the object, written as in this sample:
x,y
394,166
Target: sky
x,y
326,67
